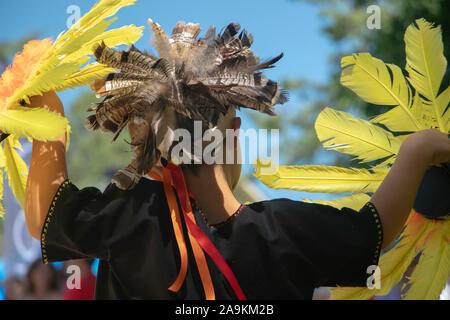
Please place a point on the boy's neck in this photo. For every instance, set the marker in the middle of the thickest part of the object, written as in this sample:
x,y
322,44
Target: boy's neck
x,y
212,193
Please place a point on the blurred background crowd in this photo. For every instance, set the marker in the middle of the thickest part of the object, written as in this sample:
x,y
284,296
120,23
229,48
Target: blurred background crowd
x,y
52,282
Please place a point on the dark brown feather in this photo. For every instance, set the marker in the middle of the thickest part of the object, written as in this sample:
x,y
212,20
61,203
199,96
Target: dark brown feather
x,y
199,79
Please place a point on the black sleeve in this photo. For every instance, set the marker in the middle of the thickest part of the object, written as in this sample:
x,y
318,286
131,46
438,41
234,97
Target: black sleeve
x,y
85,223
338,245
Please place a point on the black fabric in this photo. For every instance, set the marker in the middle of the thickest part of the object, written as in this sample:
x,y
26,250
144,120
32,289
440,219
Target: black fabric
x,y
279,249
432,199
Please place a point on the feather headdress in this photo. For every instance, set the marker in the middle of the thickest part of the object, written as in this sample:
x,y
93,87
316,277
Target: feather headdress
x,y
418,103
192,79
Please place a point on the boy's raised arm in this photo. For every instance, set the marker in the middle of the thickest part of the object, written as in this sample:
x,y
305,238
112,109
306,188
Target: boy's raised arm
x,y
395,197
47,170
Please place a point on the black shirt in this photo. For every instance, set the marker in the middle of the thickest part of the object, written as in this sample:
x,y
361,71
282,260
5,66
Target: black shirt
x,y
278,249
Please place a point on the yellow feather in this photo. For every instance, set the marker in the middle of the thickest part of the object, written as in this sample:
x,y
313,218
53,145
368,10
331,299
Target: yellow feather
x,y
16,170
102,10
37,123
67,54
384,84
343,132
355,201
125,35
393,263
396,119
42,83
325,179
58,69
433,269
85,76
370,78
68,133
77,46
425,62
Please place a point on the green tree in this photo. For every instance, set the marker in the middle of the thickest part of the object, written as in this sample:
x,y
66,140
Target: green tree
x,y
345,23
92,160
9,48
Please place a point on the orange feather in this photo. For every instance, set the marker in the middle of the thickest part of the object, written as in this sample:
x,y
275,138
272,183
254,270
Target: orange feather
x,y
22,67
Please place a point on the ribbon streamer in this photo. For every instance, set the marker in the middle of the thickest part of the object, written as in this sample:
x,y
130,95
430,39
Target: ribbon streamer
x,y
173,177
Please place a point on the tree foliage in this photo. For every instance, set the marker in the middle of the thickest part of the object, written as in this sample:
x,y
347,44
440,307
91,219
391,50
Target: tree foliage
x,y
92,160
345,23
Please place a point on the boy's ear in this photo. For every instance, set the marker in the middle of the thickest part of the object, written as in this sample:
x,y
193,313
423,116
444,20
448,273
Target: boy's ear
x,y
237,122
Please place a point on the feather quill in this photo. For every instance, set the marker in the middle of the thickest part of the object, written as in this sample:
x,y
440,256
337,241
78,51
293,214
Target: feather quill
x,y
396,119
426,64
378,83
124,35
323,179
85,76
345,133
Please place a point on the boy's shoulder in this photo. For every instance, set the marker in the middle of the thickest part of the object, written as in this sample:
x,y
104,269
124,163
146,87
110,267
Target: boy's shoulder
x,y
146,188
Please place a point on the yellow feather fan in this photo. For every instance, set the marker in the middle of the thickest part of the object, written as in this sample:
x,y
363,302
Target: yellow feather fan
x,y
417,104
322,179
44,66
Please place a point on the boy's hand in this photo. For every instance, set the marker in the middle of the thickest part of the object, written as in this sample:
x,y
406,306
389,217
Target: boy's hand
x,y
395,197
431,146
49,100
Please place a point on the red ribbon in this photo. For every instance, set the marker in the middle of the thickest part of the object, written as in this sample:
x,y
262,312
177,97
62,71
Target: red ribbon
x,y
205,243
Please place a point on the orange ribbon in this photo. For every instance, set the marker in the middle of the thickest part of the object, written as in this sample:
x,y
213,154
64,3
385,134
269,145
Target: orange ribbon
x,y
178,229
173,178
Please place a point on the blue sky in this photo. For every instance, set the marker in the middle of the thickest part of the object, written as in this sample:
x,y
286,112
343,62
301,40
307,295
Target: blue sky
x,y
293,28
278,26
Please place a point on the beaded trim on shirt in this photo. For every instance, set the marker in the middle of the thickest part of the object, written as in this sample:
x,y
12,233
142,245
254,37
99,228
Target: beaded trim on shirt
x,y
376,217
221,224
48,220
